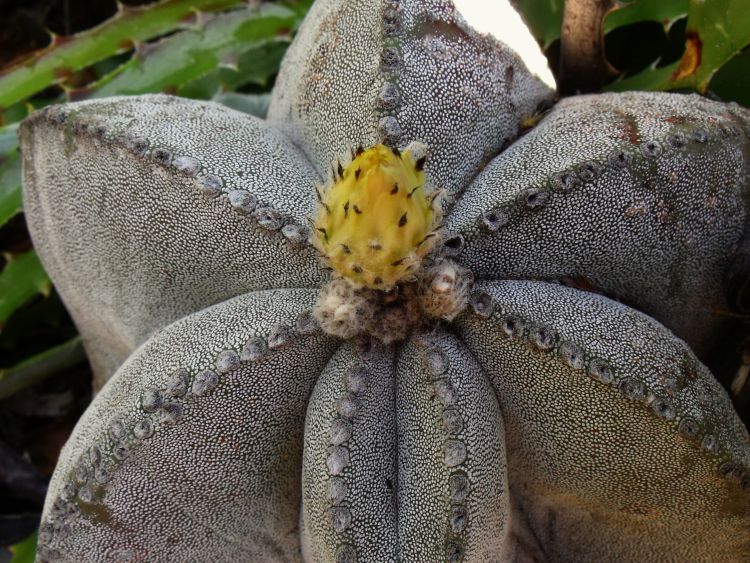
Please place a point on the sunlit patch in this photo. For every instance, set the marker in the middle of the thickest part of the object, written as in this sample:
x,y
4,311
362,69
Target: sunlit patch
x,y
502,21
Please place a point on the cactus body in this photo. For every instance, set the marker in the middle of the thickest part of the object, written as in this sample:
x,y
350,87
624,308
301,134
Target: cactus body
x,y
538,423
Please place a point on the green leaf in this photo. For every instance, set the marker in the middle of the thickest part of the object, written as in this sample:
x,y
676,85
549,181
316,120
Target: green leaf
x,y
653,78
664,11
722,28
10,186
544,18
129,27
24,551
732,81
716,32
255,67
40,367
16,112
8,139
21,279
186,56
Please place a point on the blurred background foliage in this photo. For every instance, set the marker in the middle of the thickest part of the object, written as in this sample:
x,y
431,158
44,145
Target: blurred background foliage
x,y
52,51
698,45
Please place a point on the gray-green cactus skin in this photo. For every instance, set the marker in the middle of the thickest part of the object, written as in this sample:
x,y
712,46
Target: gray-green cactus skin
x,y
544,423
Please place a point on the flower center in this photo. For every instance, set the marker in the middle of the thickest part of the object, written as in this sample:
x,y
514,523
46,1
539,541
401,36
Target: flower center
x,y
376,221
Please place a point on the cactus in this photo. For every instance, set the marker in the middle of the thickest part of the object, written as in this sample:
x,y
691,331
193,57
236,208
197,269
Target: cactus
x,y
531,391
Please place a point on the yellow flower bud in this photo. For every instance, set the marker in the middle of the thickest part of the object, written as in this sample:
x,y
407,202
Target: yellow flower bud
x,y
377,220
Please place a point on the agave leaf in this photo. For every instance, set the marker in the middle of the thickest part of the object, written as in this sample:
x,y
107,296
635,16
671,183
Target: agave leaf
x,y
22,278
716,32
14,113
186,56
39,367
10,186
118,34
255,66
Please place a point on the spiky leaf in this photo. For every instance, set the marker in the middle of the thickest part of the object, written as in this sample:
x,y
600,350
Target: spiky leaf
x,y
66,55
10,186
663,11
186,56
716,32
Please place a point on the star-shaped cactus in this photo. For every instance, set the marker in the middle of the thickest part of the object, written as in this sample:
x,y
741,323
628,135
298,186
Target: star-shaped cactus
x,y
488,405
